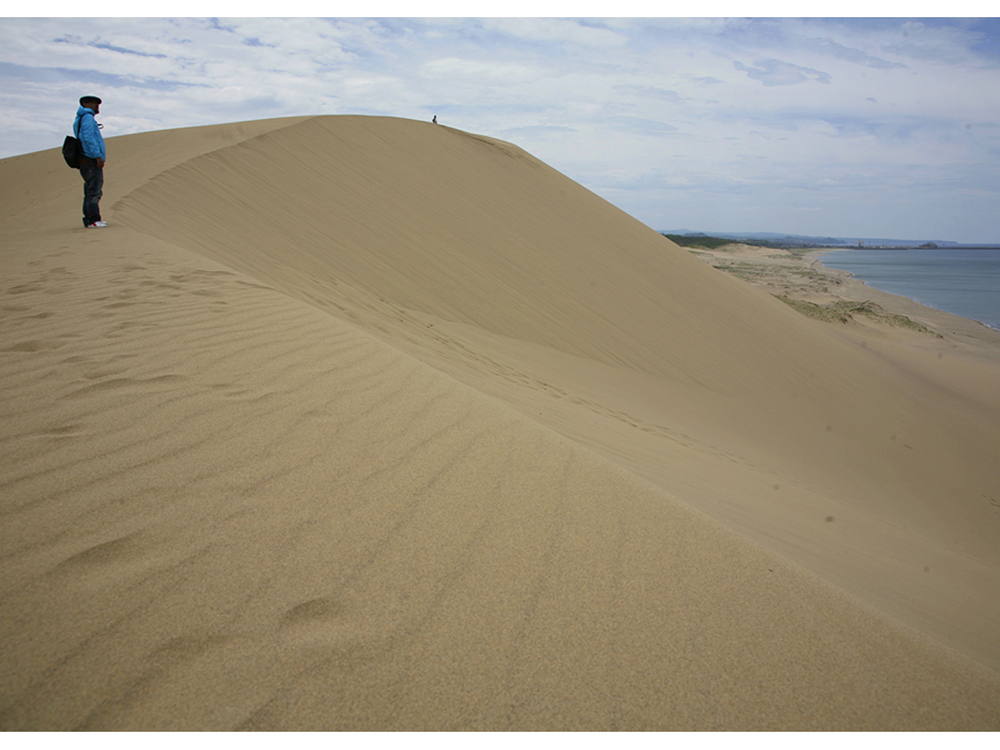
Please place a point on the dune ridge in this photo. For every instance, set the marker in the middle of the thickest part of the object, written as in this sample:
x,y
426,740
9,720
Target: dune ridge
x,y
516,284
331,430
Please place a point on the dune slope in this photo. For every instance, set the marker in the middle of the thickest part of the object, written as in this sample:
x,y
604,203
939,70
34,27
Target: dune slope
x,y
482,261
288,447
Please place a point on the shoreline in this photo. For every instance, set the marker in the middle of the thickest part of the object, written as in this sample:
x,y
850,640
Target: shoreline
x,y
816,256
800,276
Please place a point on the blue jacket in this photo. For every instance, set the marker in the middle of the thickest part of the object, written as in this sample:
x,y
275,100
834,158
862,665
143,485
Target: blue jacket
x,y
85,128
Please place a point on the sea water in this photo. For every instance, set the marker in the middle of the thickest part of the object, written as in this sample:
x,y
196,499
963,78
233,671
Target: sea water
x,y
962,281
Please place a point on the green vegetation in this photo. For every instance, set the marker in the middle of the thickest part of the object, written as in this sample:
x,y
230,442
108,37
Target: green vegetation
x,y
799,252
712,243
843,311
790,271
775,274
746,271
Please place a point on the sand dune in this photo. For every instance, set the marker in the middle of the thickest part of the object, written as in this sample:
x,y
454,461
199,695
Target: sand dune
x,y
361,423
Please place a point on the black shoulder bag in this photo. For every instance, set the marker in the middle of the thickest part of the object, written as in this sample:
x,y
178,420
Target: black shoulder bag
x,y
72,151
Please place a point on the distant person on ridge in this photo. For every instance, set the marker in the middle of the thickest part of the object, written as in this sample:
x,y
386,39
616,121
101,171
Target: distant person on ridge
x,y
88,131
434,119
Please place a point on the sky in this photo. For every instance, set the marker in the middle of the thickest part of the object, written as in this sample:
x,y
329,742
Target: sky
x,y
853,127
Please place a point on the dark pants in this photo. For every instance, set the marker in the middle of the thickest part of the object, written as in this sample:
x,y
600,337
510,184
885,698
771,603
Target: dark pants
x,y
93,189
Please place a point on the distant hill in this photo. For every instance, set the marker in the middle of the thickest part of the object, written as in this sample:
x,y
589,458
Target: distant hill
x,y
799,240
698,240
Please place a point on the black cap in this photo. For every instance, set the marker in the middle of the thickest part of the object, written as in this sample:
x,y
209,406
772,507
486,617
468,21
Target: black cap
x,y
84,99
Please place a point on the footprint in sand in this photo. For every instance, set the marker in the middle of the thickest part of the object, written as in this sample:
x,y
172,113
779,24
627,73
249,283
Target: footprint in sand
x,y
24,288
320,619
103,555
185,648
35,345
255,286
118,383
61,432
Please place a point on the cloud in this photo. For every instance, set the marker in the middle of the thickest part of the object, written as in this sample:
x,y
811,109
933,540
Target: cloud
x,y
773,72
537,131
255,42
948,43
586,95
478,71
839,51
641,126
550,31
894,129
104,45
13,72
650,92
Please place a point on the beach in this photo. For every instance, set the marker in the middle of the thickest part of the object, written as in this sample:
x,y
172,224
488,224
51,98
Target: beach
x,y
362,423
800,274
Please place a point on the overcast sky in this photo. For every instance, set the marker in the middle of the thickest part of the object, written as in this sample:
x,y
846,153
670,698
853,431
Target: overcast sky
x,y
849,127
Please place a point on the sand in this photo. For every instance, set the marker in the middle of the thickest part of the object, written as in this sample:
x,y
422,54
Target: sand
x,y
799,274
364,423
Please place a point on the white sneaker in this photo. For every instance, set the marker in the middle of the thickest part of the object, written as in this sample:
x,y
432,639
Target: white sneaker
x,y
97,224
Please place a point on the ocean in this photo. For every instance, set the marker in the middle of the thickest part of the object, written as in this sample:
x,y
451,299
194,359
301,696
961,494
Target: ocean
x,y
964,281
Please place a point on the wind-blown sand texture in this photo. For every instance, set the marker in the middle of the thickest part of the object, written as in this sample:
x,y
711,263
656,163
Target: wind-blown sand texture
x,y
364,423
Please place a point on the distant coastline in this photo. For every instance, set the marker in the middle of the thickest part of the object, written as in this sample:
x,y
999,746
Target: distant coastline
x,y
963,281
949,248
799,278
799,241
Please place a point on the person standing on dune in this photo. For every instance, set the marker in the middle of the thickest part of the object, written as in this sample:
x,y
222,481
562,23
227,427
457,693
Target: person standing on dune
x,y
88,131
